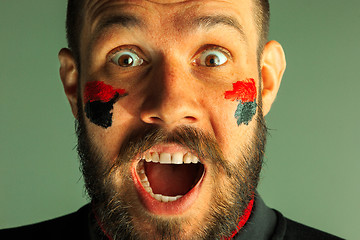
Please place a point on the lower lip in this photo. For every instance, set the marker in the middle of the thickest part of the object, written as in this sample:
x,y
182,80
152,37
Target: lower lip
x,y
165,208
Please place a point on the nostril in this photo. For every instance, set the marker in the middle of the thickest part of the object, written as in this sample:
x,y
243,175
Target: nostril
x,y
190,119
155,119
159,120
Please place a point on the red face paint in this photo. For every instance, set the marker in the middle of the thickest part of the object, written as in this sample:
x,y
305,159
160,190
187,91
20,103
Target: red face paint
x,y
99,99
243,90
99,91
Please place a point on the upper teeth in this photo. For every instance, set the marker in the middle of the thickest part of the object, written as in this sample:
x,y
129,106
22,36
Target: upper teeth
x,y
171,158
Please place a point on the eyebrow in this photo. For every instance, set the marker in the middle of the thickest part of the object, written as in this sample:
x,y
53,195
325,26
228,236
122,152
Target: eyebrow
x,y
210,21
130,21
124,20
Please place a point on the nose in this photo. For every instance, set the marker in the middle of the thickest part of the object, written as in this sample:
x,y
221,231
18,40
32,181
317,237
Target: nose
x,y
171,97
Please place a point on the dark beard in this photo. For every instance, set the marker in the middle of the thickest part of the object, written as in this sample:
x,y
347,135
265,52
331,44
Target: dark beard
x,y
112,204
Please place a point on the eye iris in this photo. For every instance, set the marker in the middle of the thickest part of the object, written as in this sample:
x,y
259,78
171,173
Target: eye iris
x,y
212,60
125,60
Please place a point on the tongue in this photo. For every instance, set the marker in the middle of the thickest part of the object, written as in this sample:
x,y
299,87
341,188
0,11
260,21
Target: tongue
x,y
171,179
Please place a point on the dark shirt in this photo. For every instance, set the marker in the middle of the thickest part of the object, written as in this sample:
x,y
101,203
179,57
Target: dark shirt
x,y
264,224
269,224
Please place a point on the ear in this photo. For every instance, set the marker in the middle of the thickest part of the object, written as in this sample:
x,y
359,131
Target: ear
x,y
69,77
273,65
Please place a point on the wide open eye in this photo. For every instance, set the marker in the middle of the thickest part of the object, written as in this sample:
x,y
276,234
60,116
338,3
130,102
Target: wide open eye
x,y
126,58
212,58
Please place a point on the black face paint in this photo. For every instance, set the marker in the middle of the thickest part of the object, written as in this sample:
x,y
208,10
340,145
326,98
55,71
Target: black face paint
x,y
245,112
100,112
99,101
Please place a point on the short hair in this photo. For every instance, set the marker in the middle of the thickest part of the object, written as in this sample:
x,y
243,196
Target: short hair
x,y
262,21
75,17
74,23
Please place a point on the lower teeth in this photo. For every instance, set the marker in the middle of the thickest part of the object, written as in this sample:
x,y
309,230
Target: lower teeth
x,y
163,198
146,184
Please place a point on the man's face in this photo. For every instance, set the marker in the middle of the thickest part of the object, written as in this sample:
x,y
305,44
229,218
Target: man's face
x,y
166,81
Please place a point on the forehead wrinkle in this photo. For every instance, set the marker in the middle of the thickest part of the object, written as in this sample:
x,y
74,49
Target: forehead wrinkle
x,y
120,17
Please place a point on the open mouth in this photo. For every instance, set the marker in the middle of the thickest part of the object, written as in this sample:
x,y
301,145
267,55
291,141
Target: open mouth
x,y
168,182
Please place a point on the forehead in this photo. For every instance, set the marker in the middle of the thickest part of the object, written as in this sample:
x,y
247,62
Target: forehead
x,y
167,11
97,3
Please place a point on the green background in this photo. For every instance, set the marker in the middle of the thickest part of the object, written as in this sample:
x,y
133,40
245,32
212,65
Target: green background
x,y
312,160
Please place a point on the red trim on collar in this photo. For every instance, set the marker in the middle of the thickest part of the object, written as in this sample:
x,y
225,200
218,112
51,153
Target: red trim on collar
x,y
243,219
100,225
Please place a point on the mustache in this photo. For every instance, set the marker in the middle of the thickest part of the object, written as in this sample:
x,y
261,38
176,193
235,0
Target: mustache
x,y
198,142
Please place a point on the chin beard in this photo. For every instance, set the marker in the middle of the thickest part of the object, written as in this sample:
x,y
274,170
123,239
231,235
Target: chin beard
x,y
113,202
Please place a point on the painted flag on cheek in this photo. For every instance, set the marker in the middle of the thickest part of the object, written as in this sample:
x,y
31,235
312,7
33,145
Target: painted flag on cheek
x,y
245,93
99,99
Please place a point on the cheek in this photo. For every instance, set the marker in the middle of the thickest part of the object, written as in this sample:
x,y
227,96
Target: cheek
x,y
244,92
99,100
